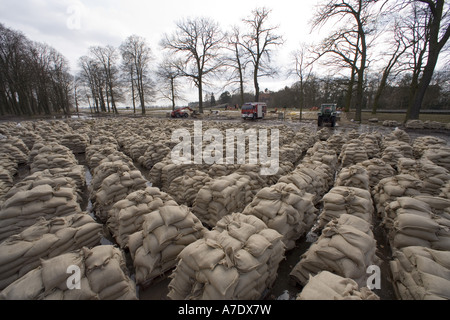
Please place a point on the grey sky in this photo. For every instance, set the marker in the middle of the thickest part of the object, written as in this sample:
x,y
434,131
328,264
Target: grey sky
x,y
71,26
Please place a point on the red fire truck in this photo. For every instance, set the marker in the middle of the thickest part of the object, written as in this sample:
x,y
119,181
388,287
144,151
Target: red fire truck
x,y
254,110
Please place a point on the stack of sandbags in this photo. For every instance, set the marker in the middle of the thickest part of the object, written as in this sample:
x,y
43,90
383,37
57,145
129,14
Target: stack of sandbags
x,y
398,134
165,233
75,142
324,134
155,153
439,155
346,247
420,273
412,222
18,143
98,152
353,152
21,253
434,125
286,209
414,124
221,170
127,216
445,191
14,152
353,134
421,144
346,200
24,208
335,142
394,150
354,176
389,189
223,196
377,170
372,144
29,138
102,137
103,276
6,182
237,260
312,177
9,164
50,155
329,286
184,189
322,152
45,178
114,188
107,168
433,176
163,173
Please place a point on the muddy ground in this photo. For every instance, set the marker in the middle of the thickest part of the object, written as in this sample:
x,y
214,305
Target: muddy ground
x,y
284,288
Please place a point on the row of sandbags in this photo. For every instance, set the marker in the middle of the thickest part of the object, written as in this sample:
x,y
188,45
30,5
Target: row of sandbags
x,y
237,260
99,273
421,144
58,160
345,247
433,176
420,273
45,239
26,207
329,286
115,187
76,142
6,182
313,177
165,232
356,176
285,208
419,221
226,195
127,216
353,152
346,200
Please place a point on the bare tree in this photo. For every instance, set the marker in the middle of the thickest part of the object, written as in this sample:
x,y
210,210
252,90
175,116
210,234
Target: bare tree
x,y
236,61
303,70
107,58
197,42
398,49
168,73
358,16
136,56
258,43
438,27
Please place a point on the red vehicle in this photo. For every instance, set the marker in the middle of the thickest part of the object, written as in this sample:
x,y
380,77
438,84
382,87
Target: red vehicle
x,y
254,110
181,113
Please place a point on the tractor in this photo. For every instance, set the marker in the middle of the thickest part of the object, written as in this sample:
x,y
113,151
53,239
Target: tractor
x,y
327,114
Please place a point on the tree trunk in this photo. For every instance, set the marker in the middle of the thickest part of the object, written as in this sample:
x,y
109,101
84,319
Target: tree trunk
x,y
200,95
255,78
172,88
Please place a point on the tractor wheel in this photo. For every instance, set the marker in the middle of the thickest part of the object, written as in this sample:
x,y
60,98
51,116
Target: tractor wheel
x,y
320,122
185,115
333,122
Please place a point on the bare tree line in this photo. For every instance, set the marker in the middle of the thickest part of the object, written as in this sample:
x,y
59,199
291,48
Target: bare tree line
x,y
34,78
199,51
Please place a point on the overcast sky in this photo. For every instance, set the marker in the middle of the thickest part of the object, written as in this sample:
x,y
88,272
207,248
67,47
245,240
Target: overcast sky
x,y
72,26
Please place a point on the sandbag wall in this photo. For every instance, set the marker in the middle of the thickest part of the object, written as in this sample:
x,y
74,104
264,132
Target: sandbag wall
x,y
103,276
329,286
237,260
46,239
